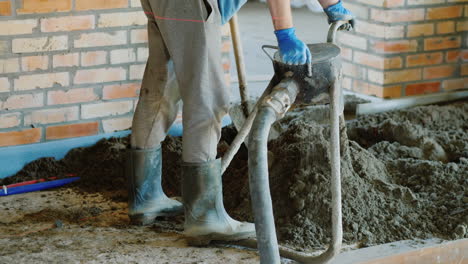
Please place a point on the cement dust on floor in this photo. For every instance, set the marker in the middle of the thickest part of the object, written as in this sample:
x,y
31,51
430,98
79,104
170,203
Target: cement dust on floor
x,y
67,226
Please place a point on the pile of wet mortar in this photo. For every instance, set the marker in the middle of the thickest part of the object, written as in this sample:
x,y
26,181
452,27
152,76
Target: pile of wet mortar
x,y
404,176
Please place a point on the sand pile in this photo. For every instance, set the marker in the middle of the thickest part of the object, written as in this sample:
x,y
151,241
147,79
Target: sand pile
x,y
404,176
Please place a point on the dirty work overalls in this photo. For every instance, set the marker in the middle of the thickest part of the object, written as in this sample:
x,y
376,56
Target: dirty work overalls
x,y
184,64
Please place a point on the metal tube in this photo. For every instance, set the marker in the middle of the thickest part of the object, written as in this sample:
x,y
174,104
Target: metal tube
x,y
260,187
334,27
337,228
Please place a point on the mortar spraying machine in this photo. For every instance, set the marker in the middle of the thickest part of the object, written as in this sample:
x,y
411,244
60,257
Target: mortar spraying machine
x,y
290,85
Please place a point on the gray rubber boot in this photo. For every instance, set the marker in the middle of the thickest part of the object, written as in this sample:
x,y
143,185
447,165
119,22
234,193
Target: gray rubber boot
x,y
146,198
205,216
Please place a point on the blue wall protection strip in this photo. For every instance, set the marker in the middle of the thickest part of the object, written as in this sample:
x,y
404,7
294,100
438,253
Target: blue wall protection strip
x,y
13,159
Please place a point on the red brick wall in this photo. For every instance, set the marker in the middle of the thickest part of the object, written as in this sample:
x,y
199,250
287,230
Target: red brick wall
x,y
406,47
70,68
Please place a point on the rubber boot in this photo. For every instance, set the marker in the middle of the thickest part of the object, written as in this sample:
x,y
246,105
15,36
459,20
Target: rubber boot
x,y
205,216
146,198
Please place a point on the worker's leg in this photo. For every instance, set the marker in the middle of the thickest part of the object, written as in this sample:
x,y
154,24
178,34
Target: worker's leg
x,y
156,110
192,33
159,96
191,30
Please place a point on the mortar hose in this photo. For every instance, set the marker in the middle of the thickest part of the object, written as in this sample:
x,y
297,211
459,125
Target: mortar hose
x,y
260,188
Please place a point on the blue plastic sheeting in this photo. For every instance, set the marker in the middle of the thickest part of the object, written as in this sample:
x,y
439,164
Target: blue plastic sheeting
x,y
37,186
13,159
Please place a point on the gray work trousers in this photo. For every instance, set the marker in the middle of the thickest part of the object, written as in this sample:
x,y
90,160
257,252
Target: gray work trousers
x,y
184,64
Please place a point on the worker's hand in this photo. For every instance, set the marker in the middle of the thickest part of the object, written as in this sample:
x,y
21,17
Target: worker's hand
x,y
291,49
337,12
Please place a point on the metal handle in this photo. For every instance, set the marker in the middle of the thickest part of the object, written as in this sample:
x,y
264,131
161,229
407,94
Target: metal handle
x,y
269,47
334,27
264,47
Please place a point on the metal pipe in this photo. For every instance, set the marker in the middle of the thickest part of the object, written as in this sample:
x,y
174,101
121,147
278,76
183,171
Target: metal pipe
x,y
334,27
240,64
337,228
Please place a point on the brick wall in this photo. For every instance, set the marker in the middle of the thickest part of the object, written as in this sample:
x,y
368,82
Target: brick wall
x,y
71,68
406,47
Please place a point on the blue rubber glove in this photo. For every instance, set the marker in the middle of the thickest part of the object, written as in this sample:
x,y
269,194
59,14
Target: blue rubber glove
x,y
292,50
337,12
228,8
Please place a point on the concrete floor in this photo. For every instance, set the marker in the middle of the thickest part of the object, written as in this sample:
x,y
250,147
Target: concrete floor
x,y
28,234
